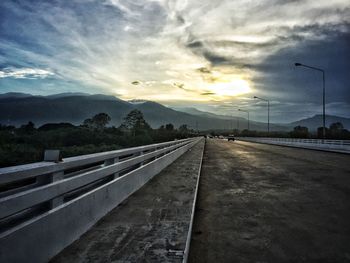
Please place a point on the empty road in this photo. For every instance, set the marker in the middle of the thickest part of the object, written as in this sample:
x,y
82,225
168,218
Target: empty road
x,y
265,203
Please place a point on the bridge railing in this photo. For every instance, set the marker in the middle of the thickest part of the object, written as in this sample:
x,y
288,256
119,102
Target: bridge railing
x,y
45,206
314,143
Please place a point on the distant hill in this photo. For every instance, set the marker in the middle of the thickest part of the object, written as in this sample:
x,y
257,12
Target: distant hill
x,y
70,108
75,108
312,122
14,95
233,122
197,112
19,108
67,94
316,121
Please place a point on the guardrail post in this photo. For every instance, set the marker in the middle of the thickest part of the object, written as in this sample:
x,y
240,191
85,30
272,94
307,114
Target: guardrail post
x,y
110,162
138,154
155,157
156,149
142,153
59,199
48,179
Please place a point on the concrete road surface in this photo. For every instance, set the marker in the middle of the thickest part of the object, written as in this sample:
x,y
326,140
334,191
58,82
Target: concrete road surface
x,y
265,203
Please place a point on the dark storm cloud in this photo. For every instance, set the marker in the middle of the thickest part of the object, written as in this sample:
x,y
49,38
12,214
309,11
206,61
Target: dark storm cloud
x,y
195,44
136,82
215,59
204,70
247,45
207,93
279,75
201,49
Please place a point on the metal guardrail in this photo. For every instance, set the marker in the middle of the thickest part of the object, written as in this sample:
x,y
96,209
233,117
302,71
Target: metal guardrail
x,y
45,206
343,145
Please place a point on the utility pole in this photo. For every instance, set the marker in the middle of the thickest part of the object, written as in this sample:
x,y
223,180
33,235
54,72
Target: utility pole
x,y
323,95
268,112
248,116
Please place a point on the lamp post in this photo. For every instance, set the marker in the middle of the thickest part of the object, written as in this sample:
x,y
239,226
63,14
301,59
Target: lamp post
x,y
248,115
324,95
268,112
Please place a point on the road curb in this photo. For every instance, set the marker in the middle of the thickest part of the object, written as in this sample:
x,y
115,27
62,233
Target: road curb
x,y
189,234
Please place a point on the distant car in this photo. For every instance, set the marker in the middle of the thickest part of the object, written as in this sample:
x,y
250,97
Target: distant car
x,y
231,138
221,137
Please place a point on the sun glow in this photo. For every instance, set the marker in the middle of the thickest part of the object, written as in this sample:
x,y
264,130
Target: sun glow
x,y
233,88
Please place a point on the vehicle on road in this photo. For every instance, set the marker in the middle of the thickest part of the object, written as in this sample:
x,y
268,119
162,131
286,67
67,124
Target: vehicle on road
x,y
231,138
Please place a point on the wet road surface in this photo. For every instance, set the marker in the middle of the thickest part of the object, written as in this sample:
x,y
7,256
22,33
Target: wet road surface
x,y
265,203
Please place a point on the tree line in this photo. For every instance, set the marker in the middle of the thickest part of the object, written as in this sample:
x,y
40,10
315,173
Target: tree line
x,y
27,143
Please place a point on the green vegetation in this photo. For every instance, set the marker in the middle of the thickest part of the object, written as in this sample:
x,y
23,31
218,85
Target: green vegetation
x,y
26,144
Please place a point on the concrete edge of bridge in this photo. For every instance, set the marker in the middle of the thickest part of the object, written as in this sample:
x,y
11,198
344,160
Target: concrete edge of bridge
x,y
300,147
189,234
164,229
43,242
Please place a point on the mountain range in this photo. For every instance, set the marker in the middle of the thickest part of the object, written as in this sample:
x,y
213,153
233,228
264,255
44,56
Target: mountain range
x,y
19,108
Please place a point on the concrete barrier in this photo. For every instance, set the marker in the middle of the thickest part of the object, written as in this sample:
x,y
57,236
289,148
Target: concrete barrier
x,y
341,146
40,218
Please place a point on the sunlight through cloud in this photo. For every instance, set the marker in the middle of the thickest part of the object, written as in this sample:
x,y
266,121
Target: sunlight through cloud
x,y
233,88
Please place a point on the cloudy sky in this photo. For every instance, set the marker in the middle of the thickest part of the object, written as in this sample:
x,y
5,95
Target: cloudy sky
x,y
209,54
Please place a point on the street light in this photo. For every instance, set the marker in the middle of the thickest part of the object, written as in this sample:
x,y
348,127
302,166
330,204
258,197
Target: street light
x,y
248,115
324,94
268,112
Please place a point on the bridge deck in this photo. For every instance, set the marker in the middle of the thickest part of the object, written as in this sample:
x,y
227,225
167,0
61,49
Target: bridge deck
x,y
264,203
150,226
